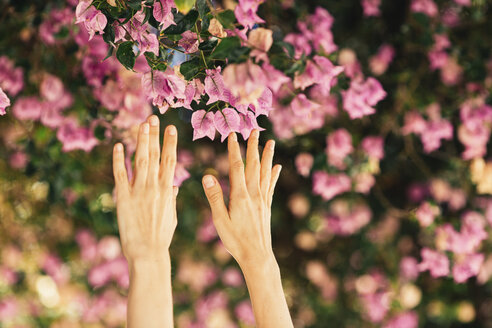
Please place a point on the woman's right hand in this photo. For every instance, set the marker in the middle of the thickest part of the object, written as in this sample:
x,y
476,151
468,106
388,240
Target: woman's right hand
x,y
244,227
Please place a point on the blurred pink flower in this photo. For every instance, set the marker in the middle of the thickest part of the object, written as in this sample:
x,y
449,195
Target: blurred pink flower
x,y
206,231
4,102
363,181
379,63
75,137
426,213
373,146
409,268
344,219
427,7
376,306
27,108
244,312
437,263
467,266
11,78
451,72
9,308
339,146
329,185
232,277
304,163
245,13
360,98
261,39
320,71
371,7
403,320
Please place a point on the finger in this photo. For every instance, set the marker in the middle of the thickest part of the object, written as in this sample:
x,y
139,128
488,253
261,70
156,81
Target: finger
x,y
119,169
215,198
266,168
175,195
154,151
236,166
275,175
142,156
168,160
253,166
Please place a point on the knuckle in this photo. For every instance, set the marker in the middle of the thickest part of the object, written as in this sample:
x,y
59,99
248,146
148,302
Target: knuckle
x,y
214,197
169,160
120,175
154,154
142,162
237,165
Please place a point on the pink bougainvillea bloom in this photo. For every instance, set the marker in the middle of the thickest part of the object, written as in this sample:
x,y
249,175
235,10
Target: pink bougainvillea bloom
x,y
28,108
203,124
226,121
320,71
303,107
189,42
360,98
344,219
247,81
163,88
245,13
379,63
247,123
206,231
261,39
94,20
339,146
51,88
232,277
409,268
373,146
214,86
11,78
426,213
304,163
465,3
330,185
75,137
376,305
467,266
163,14
4,102
404,320
437,263
427,7
363,182
275,78
371,7
244,312
181,174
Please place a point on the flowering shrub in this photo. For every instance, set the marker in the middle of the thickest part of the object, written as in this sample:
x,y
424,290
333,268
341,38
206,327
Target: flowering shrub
x,y
382,111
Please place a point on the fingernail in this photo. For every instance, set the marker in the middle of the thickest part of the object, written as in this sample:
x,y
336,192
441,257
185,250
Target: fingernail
x,y
255,134
208,181
154,121
271,144
172,130
233,136
119,147
146,128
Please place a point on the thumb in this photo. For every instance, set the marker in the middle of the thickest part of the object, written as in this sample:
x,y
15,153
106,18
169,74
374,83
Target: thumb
x,y
215,197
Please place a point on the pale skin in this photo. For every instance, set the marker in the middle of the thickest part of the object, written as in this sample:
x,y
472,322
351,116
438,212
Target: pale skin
x,y
146,209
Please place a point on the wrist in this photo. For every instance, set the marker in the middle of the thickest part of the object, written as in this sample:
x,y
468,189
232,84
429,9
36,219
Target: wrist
x,y
161,261
262,266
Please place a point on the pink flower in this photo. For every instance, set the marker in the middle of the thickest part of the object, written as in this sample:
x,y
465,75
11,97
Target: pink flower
x,y
164,88
181,174
304,163
371,7
246,81
363,181
245,12
465,3
226,121
339,146
110,95
94,20
275,78
244,312
206,232
75,137
373,146
329,185
426,214
18,160
451,72
232,277
9,308
409,268
437,263
467,266
28,108
320,71
345,219
261,39
11,78
376,306
4,102
51,88
247,123
379,63
437,59
403,320
360,98
427,7
214,86
189,42
163,14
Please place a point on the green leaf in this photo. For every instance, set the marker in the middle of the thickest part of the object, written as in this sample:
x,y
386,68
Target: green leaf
x,y
202,7
191,68
185,23
109,35
125,54
287,46
155,62
225,47
135,4
110,52
184,6
226,18
207,45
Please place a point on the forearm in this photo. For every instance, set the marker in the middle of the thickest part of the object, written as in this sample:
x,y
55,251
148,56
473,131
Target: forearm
x,y
150,301
267,295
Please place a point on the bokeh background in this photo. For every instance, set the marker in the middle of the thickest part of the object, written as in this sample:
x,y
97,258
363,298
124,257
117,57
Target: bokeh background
x,y
407,244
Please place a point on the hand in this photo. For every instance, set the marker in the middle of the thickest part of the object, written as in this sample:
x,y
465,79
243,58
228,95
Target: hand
x,y
244,228
146,207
